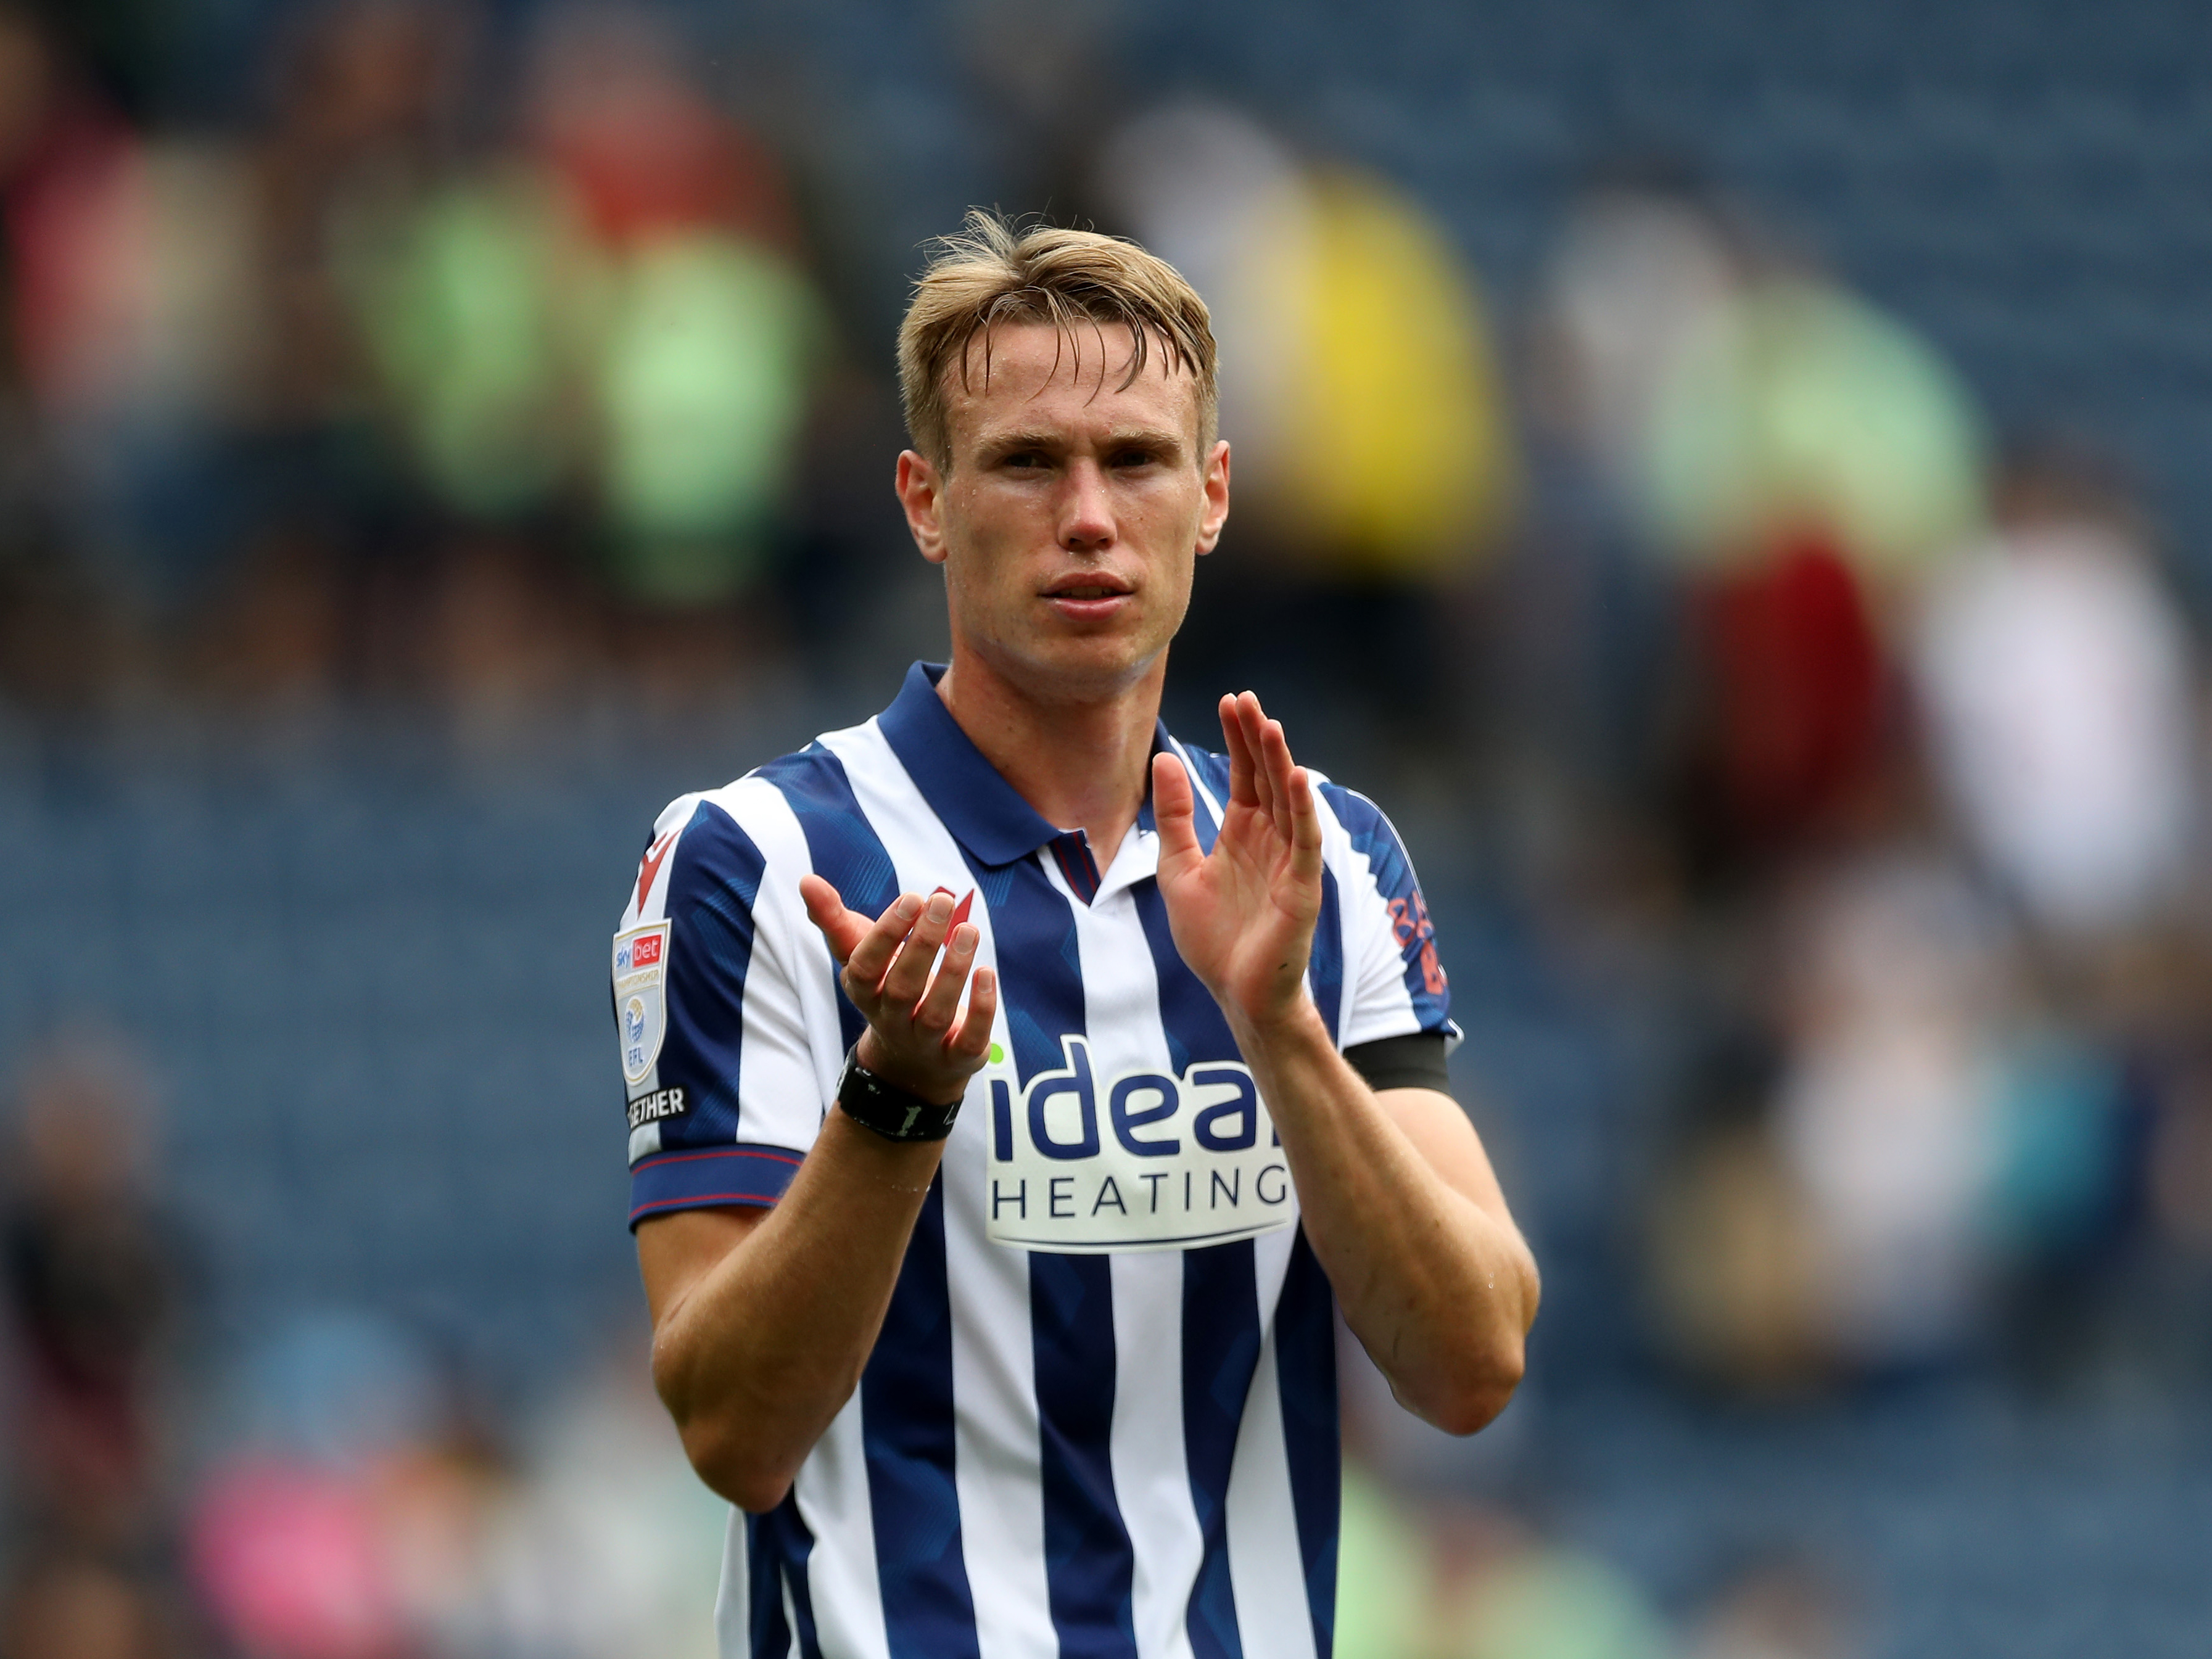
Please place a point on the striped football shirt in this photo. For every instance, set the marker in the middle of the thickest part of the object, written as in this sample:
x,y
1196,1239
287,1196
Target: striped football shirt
x,y
1101,1420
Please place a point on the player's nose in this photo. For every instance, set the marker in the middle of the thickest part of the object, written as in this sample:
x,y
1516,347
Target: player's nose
x,y
1086,509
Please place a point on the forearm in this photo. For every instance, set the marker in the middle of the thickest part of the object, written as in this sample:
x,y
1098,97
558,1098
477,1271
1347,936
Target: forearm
x,y
1433,1277
758,1353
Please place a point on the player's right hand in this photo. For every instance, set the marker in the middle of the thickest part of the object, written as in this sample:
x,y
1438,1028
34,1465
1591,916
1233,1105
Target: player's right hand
x,y
918,1037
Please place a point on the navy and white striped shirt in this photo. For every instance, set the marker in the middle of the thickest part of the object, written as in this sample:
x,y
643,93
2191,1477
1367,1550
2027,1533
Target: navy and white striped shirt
x,y
1101,1420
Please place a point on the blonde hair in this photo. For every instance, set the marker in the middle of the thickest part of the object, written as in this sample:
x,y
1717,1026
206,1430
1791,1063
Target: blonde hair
x,y
991,273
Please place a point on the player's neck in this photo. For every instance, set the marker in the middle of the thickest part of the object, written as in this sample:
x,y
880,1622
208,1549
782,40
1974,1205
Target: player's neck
x,y
1081,763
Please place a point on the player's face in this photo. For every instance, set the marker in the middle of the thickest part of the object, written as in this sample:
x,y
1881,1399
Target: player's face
x,y
1073,512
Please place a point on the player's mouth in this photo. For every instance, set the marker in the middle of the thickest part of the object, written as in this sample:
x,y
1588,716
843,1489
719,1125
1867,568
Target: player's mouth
x,y
1089,596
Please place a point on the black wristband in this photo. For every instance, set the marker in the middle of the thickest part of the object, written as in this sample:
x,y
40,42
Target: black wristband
x,y
888,1110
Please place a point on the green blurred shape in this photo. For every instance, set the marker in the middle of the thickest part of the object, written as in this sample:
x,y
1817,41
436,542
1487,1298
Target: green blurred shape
x,y
1383,1575
703,377
1549,1604
473,313
1804,409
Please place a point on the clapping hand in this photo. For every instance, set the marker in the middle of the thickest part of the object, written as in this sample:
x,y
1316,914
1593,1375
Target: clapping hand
x,y
1243,916
917,1037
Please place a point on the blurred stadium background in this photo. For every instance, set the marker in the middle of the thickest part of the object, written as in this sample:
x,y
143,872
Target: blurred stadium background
x,y
1731,476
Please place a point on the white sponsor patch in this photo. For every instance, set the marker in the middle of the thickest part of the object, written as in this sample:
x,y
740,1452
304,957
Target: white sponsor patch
x,y
640,1008
1142,1161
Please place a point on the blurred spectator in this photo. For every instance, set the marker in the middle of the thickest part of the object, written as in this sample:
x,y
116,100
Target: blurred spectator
x,y
1732,1263
1385,1577
364,95
139,319
1799,453
2054,666
1039,79
1801,407
1886,1111
643,152
613,1547
1641,273
475,312
93,1282
357,1510
331,584
1518,1596
290,1562
1783,1608
1789,706
712,341
1351,330
1449,1580
64,1604
303,1535
1925,1161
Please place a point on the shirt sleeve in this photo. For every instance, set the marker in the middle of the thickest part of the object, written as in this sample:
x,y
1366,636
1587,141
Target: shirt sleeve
x,y
724,1087
1394,983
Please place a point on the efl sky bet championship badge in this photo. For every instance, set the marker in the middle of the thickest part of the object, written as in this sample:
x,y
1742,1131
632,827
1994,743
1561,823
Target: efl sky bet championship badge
x,y
640,1001
1141,1161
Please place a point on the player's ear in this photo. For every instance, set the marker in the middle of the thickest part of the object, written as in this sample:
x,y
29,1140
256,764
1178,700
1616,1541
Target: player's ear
x,y
921,492
1215,479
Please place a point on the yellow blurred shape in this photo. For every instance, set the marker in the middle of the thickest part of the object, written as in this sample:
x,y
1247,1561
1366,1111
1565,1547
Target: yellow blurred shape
x,y
1396,459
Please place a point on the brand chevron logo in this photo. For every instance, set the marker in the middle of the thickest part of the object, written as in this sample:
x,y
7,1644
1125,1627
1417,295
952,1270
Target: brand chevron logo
x,y
651,866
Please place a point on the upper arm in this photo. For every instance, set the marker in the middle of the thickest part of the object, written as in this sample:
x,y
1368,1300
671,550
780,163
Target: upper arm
x,y
720,1056
1447,1142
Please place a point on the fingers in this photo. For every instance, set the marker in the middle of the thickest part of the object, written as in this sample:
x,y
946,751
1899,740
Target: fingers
x,y
1264,737
1260,764
974,1037
1175,809
1276,767
1240,752
935,1012
871,958
1288,791
1305,825
844,929
912,1037
908,977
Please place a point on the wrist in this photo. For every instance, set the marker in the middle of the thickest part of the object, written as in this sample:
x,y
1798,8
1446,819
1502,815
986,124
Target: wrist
x,y
891,1110
1296,1024
936,1086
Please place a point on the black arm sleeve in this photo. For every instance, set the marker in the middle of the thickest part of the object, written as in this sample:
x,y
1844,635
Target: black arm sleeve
x,y
1415,1061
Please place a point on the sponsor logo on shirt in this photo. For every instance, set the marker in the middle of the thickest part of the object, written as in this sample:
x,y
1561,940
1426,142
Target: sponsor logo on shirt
x,y
1141,1160
641,1007
1409,924
658,1106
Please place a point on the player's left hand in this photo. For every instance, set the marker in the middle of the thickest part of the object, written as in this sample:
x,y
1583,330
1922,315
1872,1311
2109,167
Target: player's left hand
x,y
1243,916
